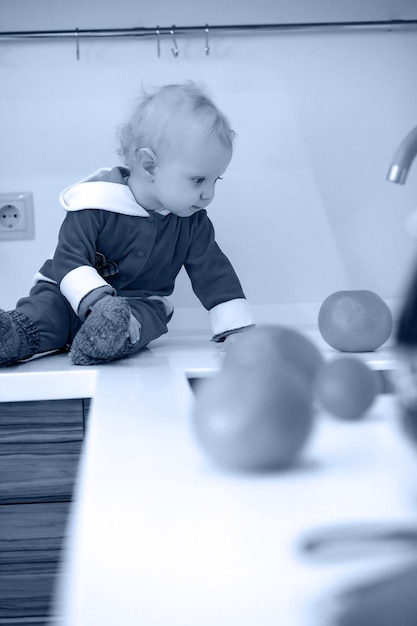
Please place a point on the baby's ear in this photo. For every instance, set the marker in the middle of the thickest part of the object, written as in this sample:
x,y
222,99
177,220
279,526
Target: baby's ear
x,y
146,161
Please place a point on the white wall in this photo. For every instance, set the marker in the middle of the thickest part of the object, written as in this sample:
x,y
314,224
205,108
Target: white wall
x,y
304,209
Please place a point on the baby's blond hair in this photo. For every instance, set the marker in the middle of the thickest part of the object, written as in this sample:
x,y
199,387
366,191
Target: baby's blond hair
x,y
168,112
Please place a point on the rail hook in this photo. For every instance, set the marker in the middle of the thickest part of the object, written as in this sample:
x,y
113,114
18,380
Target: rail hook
x,y
158,41
174,50
77,44
207,47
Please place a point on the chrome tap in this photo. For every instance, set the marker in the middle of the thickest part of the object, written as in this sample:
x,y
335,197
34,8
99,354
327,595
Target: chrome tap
x,y
406,333
403,158
405,375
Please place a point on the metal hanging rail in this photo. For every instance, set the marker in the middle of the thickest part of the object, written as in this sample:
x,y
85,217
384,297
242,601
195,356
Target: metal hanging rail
x,y
158,31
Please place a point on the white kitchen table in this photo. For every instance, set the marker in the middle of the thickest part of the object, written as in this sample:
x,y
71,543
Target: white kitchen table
x,y
160,536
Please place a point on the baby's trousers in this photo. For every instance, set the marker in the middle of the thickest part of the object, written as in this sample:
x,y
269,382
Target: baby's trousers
x,y
57,323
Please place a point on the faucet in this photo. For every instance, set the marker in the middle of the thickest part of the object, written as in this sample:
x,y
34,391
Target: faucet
x,y
405,377
403,158
397,173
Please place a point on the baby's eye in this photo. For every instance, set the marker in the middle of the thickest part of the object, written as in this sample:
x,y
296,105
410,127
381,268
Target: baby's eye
x,y
199,180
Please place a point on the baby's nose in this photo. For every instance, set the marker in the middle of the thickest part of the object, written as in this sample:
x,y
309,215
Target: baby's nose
x,y
207,193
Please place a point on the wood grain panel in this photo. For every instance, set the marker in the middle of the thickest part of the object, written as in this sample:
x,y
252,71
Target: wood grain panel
x,y
31,537
25,595
49,421
37,478
40,443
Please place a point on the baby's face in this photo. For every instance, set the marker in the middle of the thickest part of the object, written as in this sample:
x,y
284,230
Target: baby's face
x,y
186,174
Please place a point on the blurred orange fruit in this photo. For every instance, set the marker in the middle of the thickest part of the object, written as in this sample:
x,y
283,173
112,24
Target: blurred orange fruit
x,y
275,347
253,422
257,412
355,321
346,387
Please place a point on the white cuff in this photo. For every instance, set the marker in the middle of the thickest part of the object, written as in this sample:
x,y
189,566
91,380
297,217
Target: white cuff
x,y
78,283
230,315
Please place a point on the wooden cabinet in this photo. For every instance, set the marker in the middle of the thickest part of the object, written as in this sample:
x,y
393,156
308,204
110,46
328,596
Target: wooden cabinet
x,y
40,444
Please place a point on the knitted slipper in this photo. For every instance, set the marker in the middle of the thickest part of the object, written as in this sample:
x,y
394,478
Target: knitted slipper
x,y
103,337
19,337
9,340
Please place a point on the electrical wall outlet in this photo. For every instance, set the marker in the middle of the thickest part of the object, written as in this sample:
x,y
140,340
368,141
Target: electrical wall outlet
x,y
16,216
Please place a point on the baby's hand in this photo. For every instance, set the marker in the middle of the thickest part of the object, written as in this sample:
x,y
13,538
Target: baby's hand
x,y
230,341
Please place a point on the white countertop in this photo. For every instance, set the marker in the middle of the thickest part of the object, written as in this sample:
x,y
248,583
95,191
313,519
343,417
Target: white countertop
x,y
53,376
159,536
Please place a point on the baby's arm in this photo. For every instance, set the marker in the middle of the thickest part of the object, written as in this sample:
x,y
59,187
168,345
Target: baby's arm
x,y
216,284
73,264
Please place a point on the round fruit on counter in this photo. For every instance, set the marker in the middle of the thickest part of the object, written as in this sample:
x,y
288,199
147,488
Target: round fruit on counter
x,y
275,347
256,422
257,413
355,321
346,387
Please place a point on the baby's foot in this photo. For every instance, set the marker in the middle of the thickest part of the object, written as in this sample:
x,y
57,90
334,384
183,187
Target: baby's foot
x,y
104,334
19,337
9,340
